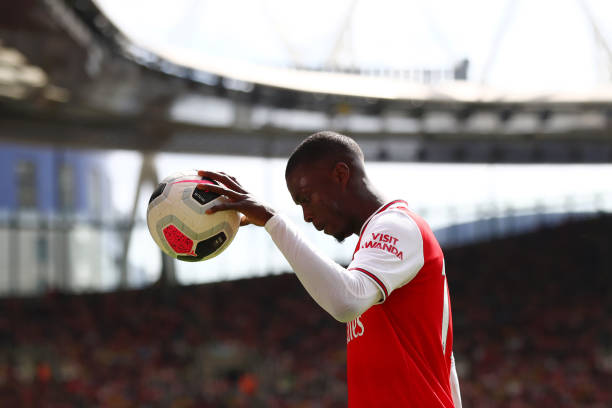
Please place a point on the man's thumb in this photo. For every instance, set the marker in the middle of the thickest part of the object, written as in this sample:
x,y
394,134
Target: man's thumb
x,y
244,221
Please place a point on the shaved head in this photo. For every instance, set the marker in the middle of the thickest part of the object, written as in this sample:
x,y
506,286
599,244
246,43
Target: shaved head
x,y
326,147
326,176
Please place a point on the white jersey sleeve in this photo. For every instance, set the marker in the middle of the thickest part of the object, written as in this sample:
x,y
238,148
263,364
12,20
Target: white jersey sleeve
x,y
342,293
390,250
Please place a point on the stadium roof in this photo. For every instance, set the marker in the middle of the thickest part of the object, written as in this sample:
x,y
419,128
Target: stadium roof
x,y
69,76
467,51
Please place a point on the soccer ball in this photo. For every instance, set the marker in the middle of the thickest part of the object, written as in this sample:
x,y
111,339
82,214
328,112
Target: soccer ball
x,y
178,223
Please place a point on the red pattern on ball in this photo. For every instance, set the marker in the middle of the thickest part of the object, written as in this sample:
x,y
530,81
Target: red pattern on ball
x,y
180,243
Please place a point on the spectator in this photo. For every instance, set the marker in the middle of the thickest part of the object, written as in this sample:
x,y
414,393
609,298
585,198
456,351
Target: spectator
x,y
534,315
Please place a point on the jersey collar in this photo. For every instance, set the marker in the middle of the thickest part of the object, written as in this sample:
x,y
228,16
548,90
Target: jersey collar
x,y
378,211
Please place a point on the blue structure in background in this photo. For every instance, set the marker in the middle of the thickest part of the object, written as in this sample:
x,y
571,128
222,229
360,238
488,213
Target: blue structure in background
x,y
52,181
500,227
54,204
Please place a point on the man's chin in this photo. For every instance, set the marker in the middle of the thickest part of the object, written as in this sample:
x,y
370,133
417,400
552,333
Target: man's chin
x,y
340,237
337,236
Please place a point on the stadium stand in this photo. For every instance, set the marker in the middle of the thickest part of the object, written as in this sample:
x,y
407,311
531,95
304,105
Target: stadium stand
x,y
531,321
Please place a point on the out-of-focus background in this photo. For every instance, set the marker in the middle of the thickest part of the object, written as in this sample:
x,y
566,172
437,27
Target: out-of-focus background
x,y
493,119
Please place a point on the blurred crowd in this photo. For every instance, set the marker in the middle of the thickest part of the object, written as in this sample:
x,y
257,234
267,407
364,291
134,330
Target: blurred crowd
x,y
531,317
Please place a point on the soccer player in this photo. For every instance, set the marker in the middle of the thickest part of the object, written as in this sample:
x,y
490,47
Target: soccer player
x,y
393,296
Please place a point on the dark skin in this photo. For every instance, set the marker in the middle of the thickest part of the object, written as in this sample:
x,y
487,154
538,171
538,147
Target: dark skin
x,y
335,195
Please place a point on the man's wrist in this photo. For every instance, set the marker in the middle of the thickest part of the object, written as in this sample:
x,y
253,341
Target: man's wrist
x,y
269,213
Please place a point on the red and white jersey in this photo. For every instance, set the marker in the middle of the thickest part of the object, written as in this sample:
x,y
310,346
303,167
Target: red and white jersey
x,y
399,350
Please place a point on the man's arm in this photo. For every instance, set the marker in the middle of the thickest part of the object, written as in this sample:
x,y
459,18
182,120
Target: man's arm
x,y
342,293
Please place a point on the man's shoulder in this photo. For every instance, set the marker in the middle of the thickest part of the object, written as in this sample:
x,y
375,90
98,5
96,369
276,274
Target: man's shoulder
x,y
395,216
401,221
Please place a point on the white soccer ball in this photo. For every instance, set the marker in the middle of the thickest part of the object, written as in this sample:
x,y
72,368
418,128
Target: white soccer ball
x,y
177,219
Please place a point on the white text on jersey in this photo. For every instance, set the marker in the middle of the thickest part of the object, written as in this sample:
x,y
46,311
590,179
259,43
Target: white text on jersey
x,y
354,329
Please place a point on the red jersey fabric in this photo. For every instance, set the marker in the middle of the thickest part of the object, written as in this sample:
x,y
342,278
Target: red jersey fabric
x,y
399,351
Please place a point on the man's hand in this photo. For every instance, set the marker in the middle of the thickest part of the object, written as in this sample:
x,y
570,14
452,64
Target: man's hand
x,y
253,211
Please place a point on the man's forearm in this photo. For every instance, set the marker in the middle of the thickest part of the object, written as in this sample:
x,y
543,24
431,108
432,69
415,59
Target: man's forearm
x,y
343,294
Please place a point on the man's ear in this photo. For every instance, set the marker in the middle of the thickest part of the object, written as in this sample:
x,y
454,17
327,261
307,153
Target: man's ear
x,y
341,174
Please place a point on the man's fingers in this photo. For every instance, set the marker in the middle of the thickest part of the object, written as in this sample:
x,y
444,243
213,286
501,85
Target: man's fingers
x,y
244,221
232,195
231,177
225,179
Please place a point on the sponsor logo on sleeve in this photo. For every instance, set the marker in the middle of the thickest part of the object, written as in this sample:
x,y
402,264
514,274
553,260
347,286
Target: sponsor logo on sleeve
x,y
384,242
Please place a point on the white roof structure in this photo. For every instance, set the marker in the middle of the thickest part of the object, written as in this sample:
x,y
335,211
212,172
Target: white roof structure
x,y
554,51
